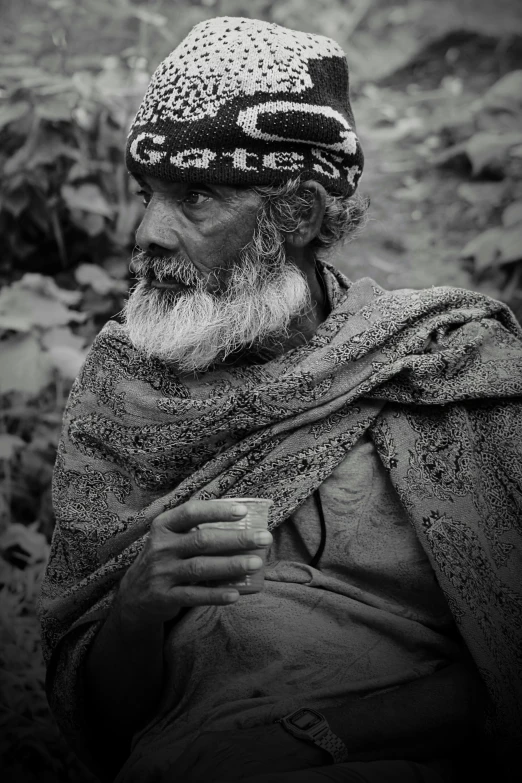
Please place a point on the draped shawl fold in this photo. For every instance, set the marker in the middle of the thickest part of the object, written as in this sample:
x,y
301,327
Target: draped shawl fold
x,y
434,376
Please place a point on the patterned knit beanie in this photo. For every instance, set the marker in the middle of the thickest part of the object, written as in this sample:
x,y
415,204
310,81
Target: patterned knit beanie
x,y
245,102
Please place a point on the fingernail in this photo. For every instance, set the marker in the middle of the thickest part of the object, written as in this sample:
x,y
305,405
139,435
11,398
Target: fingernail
x,y
230,597
262,537
254,563
239,511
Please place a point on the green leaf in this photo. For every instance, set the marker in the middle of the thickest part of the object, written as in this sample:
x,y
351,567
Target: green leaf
x,y
45,80
415,192
117,267
16,201
66,351
50,150
12,112
99,280
149,17
23,308
92,224
12,59
9,445
25,367
46,286
495,247
19,72
483,249
125,10
482,193
88,198
62,336
129,215
504,95
485,150
78,171
512,215
510,244
55,110
25,537
19,160
67,360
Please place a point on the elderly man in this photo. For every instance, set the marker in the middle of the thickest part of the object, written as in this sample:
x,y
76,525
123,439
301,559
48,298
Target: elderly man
x,y
385,426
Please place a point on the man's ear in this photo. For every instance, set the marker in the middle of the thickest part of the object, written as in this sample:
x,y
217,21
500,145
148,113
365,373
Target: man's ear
x,y
310,222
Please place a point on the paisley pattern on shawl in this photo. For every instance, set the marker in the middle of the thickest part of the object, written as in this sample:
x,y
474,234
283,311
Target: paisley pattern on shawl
x,y
434,376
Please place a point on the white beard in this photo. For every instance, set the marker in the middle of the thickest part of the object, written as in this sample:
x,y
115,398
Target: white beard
x,y
194,330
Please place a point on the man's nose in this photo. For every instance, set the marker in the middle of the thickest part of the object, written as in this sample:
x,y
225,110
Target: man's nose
x,y
156,231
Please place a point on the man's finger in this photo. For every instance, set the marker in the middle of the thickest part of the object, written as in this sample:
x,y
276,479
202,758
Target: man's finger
x,y
199,595
205,569
214,540
183,518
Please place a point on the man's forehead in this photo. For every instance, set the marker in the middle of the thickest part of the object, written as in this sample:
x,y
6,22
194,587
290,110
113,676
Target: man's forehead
x,y
178,187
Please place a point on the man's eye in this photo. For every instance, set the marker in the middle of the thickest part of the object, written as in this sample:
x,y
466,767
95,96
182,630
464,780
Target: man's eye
x,y
145,196
194,198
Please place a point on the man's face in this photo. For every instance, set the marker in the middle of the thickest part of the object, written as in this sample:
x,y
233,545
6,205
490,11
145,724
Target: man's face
x,y
213,273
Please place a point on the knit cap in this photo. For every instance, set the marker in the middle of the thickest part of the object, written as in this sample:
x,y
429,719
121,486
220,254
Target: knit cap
x,y
246,102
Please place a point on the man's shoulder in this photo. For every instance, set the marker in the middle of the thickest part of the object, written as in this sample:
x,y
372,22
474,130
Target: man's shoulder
x,y
111,333
452,298
452,293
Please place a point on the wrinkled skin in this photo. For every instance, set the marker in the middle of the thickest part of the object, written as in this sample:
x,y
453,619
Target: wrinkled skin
x,y
207,224
177,558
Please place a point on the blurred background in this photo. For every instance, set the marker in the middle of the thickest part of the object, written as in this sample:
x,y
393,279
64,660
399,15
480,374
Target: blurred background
x,y
437,95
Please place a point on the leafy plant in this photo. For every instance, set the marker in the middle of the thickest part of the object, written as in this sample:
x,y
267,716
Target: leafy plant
x,y
31,747
65,192
492,154
498,246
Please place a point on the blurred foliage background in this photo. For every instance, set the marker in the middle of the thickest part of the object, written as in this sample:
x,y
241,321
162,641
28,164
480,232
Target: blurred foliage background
x,y
437,95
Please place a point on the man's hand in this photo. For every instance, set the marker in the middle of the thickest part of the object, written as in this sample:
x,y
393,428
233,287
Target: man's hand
x,y
125,665
178,558
238,755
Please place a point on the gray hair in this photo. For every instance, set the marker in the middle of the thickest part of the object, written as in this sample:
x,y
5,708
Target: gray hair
x,y
288,202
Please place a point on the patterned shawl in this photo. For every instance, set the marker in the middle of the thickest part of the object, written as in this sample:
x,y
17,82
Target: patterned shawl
x,y
435,376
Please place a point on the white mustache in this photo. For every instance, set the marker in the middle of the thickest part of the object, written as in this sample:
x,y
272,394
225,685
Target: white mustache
x,y
177,268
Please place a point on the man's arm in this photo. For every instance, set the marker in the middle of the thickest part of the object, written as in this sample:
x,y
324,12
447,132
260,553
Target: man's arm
x,y
424,719
429,716
124,675
124,668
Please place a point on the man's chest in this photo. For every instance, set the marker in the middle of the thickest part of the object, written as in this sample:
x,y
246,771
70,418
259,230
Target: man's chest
x,y
369,540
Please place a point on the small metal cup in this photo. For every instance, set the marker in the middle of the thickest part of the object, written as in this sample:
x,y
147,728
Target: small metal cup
x,y
256,518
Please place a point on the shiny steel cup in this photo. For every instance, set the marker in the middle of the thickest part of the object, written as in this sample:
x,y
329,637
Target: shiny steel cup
x,y
256,518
